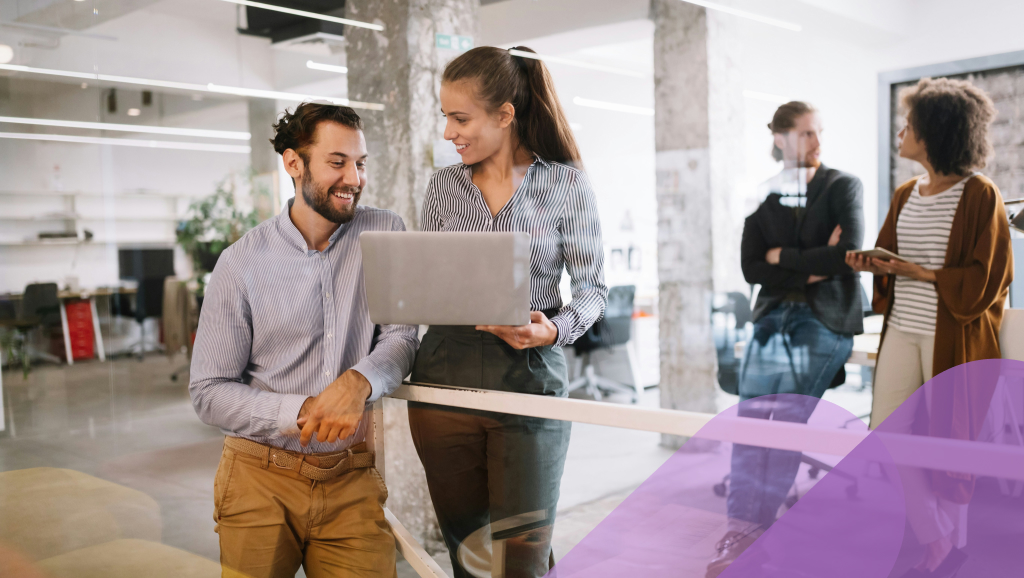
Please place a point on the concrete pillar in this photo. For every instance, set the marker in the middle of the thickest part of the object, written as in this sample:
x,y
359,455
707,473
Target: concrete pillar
x,y
401,68
698,129
263,161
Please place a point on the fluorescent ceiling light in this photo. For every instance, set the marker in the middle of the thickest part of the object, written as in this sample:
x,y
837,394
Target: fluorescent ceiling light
x,y
578,63
327,67
295,12
125,142
766,96
613,106
128,128
292,96
744,14
272,94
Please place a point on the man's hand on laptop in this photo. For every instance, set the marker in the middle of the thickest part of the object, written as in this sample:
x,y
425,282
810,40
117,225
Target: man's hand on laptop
x,y
539,332
335,413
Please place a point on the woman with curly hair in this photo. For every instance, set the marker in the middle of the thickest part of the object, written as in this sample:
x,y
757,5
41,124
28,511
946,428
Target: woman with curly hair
x,y
943,304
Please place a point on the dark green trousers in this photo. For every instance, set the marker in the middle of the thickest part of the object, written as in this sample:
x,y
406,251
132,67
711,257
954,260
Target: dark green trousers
x,y
484,467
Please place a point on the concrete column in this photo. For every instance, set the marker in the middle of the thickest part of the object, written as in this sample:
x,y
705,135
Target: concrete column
x,y
401,68
698,126
263,158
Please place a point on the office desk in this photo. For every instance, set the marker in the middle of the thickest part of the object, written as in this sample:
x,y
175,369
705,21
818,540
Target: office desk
x,y
865,349
90,295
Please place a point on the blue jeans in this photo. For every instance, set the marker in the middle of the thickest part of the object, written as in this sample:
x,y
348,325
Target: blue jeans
x,y
790,352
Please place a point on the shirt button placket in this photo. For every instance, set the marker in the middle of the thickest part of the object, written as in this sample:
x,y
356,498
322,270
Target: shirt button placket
x,y
325,281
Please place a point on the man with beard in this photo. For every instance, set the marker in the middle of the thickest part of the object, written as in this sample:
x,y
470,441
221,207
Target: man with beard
x,y
807,312
286,362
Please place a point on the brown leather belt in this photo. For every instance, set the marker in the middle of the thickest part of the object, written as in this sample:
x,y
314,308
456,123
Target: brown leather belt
x,y
317,467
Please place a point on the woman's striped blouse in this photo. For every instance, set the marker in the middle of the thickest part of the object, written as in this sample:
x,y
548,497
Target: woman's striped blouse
x,y
922,235
556,205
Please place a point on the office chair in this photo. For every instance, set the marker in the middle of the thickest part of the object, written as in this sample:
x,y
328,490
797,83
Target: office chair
x,y
148,268
40,308
613,329
737,305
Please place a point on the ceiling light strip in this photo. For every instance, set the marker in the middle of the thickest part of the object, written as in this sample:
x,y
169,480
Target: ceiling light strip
x,y
128,128
613,106
291,96
749,15
257,93
314,15
124,142
326,67
577,63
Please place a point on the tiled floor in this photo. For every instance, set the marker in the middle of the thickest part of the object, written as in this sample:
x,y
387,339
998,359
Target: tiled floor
x,y
127,422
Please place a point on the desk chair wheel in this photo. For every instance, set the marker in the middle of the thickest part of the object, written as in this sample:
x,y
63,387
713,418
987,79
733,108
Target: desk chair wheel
x,y
722,488
791,501
813,473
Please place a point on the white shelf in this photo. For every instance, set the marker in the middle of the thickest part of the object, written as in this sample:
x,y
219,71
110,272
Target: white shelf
x,y
94,241
50,217
132,194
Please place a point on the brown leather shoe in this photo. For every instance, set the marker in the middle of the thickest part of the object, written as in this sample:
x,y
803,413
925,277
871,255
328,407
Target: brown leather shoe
x,y
729,548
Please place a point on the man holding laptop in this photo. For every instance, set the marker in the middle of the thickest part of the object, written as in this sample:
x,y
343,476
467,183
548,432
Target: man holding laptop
x,y
286,361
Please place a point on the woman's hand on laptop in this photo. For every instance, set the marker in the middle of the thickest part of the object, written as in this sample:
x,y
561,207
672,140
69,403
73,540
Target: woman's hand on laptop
x,y
335,413
539,332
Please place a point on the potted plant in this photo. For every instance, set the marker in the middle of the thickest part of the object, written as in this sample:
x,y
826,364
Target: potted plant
x,y
215,222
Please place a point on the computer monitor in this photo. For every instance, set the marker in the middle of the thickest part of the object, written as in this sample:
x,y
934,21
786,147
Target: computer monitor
x,y
148,267
138,264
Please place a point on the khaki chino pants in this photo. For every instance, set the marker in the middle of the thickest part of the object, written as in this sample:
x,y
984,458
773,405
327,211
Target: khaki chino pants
x,y
272,520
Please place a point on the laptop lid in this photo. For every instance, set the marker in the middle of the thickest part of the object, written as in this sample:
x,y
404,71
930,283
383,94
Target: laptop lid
x,y
416,278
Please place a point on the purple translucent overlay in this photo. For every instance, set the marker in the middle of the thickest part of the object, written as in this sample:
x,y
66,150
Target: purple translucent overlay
x,y
949,462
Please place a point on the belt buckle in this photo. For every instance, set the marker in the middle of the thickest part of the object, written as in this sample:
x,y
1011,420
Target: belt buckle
x,y
273,458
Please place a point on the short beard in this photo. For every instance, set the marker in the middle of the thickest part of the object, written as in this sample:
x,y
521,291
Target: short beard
x,y
320,200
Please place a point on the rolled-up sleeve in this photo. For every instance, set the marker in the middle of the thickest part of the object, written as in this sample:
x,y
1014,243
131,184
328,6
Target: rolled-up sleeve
x,y
392,352
583,250
221,354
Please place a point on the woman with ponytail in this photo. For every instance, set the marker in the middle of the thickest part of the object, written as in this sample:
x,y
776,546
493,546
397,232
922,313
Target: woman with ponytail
x,y
520,171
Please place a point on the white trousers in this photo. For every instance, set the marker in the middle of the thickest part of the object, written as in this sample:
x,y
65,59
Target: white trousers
x,y
904,365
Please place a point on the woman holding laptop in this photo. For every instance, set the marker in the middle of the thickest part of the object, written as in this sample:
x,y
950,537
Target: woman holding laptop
x,y
520,171
943,297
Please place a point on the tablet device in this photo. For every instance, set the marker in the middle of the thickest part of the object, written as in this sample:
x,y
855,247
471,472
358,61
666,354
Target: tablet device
x,y
415,278
879,253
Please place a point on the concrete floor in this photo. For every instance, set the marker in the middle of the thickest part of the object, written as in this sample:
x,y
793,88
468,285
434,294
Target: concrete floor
x,y
126,421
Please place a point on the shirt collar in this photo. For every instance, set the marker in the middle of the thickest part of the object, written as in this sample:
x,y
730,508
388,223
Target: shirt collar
x,y
468,169
291,233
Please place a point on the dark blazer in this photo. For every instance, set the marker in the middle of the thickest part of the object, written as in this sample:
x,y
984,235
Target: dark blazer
x,y
833,198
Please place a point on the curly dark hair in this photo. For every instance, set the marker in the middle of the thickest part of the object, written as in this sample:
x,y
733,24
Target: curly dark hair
x,y
952,118
295,130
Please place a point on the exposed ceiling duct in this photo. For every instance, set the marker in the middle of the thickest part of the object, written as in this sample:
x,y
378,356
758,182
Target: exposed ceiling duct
x,y
297,32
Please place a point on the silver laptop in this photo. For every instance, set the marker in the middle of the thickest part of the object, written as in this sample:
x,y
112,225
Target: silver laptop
x,y
417,278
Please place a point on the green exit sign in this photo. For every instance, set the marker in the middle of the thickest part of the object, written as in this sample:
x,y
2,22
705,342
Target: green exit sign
x,y
453,42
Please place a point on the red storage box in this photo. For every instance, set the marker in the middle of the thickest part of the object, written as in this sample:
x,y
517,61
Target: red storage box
x,y
80,330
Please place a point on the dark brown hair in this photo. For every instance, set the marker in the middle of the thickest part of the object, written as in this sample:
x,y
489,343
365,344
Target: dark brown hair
x,y
499,77
785,119
952,118
295,130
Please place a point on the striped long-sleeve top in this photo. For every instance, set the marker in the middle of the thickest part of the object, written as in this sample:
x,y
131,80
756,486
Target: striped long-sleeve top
x,y
922,235
556,205
280,322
